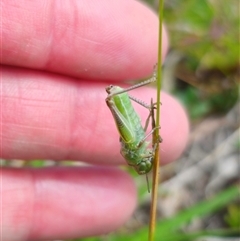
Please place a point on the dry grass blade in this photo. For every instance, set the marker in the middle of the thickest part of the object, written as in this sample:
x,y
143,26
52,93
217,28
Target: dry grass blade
x,y
156,165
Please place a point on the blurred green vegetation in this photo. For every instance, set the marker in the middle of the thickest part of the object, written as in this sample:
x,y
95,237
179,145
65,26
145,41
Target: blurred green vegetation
x,y
206,31
232,217
200,104
206,34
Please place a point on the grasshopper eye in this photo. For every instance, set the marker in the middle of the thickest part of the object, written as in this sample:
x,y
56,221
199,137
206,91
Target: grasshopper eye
x,y
108,89
144,167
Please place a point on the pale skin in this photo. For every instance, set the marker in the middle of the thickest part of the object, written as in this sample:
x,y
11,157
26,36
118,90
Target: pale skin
x,y
57,59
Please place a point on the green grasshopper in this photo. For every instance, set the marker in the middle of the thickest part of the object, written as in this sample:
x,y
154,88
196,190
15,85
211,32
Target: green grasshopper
x,y
134,147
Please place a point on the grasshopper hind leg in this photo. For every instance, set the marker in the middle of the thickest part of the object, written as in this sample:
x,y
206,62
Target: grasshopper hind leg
x,y
154,127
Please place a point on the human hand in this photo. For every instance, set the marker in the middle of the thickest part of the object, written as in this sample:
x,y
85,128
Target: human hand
x,y
57,59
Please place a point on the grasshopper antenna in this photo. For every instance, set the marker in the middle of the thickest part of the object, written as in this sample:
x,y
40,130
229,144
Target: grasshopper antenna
x,y
145,82
148,187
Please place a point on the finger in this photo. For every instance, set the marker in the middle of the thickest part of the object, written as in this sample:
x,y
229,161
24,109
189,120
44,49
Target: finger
x,y
63,203
48,116
110,40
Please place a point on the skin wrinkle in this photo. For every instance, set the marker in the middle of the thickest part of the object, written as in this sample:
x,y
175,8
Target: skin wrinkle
x,y
73,121
98,125
49,43
30,127
38,189
20,214
46,26
94,128
16,97
32,142
61,32
75,124
91,41
33,204
14,125
43,190
35,143
50,36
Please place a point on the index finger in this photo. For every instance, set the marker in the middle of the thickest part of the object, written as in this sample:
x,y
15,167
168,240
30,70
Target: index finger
x,y
106,40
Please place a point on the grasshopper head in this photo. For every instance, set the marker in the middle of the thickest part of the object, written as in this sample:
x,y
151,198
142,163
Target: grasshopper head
x,y
144,167
113,89
109,89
